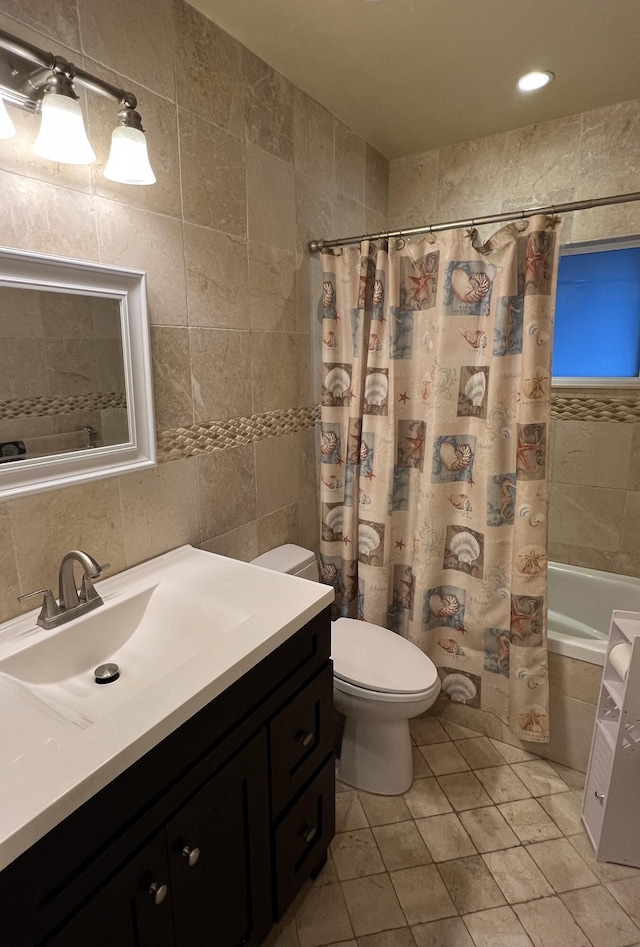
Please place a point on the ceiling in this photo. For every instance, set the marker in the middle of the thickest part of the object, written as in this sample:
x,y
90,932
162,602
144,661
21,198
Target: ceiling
x,y
413,75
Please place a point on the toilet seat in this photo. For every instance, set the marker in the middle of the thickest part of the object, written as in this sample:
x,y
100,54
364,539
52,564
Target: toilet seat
x,y
377,663
387,697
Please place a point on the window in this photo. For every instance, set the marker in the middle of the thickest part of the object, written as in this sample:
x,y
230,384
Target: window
x,y
597,323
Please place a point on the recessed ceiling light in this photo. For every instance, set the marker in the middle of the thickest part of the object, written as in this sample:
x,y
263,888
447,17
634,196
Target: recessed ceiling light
x,y
534,80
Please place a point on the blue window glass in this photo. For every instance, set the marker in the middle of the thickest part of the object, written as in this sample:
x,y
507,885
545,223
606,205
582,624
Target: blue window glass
x,y
597,323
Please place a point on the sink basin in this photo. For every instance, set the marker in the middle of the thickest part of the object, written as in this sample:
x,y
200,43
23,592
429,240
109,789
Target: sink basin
x,y
147,634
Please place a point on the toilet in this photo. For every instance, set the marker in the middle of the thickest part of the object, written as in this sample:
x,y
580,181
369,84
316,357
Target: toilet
x,y
380,681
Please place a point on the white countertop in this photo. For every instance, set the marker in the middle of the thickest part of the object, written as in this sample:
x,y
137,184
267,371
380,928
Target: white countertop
x,y
43,780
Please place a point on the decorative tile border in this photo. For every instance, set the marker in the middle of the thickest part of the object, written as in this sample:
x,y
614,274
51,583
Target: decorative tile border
x,y
44,406
592,409
219,435
271,424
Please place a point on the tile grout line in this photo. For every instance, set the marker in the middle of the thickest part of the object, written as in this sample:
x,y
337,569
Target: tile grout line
x,y
395,816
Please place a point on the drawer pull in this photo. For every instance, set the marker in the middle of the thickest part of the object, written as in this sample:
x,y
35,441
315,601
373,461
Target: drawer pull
x,y
191,854
158,892
599,795
305,737
307,833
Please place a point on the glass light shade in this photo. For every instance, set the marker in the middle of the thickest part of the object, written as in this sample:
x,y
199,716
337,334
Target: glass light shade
x,y
129,160
7,128
62,133
534,80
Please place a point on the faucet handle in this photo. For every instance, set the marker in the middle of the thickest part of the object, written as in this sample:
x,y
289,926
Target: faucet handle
x,y
87,591
96,568
50,607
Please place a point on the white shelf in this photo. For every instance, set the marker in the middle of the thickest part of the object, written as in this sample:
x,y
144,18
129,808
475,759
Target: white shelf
x,y
628,626
609,807
610,730
616,689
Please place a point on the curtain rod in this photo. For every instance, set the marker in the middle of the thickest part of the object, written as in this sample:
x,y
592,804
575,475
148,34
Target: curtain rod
x,y
316,245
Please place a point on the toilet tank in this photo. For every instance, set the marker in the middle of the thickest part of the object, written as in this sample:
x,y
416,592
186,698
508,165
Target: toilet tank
x,y
290,558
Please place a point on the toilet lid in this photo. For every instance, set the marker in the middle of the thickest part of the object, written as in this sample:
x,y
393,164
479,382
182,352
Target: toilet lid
x,y
378,659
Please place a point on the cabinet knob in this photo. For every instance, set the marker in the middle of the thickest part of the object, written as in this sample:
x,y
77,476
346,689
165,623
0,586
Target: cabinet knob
x,y
191,854
158,892
305,737
308,833
599,795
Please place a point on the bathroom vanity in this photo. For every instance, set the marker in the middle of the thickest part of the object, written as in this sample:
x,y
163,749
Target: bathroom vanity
x,y
206,836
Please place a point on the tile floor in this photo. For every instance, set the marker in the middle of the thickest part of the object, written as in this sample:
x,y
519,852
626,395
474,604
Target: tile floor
x,y
485,849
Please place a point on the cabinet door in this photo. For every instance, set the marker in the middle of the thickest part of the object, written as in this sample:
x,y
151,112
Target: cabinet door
x,y
597,785
219,856
132,910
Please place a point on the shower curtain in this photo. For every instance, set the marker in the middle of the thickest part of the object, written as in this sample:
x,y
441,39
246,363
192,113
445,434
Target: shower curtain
x,y
434,453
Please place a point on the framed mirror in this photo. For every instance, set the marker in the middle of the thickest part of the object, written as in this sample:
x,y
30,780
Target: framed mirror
x,y
76,397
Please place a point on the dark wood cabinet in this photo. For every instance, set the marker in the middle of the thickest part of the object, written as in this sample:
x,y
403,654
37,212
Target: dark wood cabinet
x,y
217,846
133,909
206,839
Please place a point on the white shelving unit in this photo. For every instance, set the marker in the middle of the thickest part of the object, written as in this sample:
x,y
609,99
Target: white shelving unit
x,y
611,803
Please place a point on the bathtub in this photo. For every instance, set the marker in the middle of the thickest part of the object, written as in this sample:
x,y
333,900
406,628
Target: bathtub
x,y
580,606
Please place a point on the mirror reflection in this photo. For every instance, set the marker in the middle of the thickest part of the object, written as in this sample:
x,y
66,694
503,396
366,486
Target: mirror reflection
x,y
62,381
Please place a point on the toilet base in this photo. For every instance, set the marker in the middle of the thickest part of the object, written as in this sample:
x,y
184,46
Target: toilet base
x,y
375,756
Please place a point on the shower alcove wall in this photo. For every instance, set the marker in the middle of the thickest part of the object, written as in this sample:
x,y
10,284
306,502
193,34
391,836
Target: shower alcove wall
x,y
595,472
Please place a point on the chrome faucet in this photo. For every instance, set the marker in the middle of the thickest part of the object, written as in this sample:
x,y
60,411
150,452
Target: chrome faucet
x,y
72,602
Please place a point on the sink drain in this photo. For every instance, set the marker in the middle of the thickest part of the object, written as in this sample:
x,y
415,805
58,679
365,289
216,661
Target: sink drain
x,y
107,673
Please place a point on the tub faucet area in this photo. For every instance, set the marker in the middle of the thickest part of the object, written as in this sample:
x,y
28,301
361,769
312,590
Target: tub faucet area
x,y
72,602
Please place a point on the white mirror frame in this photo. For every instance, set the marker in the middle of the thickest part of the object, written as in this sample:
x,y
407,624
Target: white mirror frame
x,y
20,269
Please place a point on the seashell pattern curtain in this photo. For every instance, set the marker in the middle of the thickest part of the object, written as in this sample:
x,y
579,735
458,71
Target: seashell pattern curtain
x,y
434,453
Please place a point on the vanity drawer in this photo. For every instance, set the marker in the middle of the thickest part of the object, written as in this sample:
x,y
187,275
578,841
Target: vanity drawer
x,y
302,838
300,738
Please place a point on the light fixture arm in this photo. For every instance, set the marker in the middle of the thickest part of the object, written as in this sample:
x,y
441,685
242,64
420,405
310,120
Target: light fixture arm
x,y
26,86
105,88
24,50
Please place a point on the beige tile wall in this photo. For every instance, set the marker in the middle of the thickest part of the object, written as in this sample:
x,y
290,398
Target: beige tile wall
x,y
249,168
595,499
595,492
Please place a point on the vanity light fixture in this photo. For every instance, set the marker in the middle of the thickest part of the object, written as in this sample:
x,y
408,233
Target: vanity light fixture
x,y
43,83
534,80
